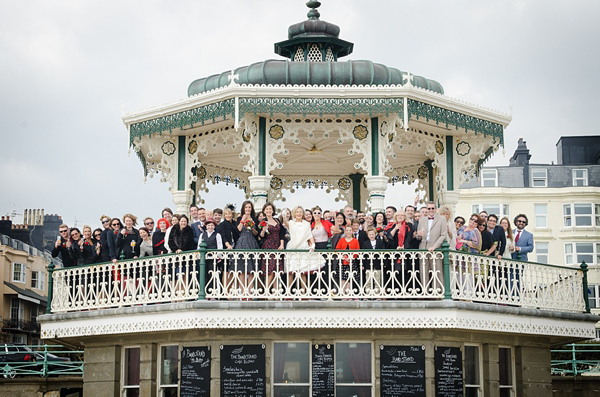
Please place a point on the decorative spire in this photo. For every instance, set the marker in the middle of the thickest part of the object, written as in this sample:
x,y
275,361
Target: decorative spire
x,y
313,40
313,13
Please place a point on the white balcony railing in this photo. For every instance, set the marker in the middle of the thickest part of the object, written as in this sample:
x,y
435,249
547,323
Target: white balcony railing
x,y
339,275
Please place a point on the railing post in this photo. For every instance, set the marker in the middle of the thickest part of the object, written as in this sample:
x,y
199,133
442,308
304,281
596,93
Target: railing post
x,y
49,303
45,367
584,268
446,266
202,271
573,361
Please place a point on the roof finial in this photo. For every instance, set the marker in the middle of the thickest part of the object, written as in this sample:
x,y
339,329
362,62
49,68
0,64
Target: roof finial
x,y
313,5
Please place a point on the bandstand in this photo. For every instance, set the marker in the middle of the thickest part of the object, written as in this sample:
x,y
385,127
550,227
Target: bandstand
x,y
315,121
172,325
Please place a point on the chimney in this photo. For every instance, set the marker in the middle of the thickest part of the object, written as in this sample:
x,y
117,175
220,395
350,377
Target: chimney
x,y
521,155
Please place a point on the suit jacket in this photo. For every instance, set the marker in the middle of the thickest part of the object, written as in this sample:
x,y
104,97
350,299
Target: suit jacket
x,y
437,234
500,237
198,229
379,244
526,244
362,237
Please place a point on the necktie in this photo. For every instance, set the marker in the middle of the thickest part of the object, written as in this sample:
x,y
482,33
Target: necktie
x,y
518,235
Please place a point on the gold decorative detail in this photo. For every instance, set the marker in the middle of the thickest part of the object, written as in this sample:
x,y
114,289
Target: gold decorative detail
x,y
201,172
422,172
246,135
192,147
360,132
276,132
344,183
439,147
276,183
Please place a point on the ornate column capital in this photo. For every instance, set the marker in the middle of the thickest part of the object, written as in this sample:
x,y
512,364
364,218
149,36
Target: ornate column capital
x,y
183,200
376,186
449,199
259,188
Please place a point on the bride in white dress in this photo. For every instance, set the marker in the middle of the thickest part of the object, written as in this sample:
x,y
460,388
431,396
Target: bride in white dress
x,y
301,238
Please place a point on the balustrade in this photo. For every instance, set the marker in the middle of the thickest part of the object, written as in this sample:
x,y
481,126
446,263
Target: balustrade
x,y
339,275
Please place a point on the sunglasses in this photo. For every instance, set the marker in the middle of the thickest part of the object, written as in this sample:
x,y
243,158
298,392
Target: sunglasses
x,y
63,231
149,223
103,222
460,222
116,224
97,235
521,222
473,220
316,213
430,208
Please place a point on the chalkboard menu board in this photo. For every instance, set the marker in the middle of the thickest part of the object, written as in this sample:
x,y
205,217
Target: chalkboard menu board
x,y
243,370
402,371
195,371
323,371
448,372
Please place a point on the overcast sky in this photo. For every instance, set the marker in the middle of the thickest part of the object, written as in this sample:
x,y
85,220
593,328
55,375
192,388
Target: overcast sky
x,y
67,68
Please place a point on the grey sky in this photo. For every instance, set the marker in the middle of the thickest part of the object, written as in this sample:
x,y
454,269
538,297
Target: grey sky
x,y
67,68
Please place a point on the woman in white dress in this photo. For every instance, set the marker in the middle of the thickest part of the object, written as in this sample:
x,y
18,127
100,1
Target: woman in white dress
x,y
301,238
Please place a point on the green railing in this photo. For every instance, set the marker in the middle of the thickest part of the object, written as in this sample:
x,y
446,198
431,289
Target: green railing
x,y
39,360
576,359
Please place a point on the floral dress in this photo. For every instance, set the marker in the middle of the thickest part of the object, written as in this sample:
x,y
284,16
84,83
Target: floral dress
x,y
271,242
469,235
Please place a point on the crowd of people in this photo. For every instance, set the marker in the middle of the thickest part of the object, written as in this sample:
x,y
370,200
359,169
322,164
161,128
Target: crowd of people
x,y
297,229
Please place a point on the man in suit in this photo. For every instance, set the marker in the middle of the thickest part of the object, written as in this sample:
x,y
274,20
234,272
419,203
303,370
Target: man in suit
x,y
523,239
358,234
432,232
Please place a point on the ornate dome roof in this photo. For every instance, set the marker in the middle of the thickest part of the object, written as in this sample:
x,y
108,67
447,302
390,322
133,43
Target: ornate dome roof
x,y
313,47
284,72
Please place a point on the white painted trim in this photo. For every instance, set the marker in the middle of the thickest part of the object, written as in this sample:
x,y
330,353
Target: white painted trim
x,y
310,91
320,319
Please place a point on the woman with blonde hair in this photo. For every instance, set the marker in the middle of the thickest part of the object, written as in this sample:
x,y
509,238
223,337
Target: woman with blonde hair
x,y
129,236
446,213
301,238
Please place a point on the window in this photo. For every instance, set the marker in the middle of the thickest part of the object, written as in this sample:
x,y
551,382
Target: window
x,y
18,272
594,296
292,369
541,252
575,253
131,372
33,312
37,279
19,339
580,177
500,210
353,369
581,214
489,178
541,215
169,371
506,368
539,177
17,309
472,371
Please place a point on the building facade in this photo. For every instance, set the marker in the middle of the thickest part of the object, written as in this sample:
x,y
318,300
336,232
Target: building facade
x,y
23,286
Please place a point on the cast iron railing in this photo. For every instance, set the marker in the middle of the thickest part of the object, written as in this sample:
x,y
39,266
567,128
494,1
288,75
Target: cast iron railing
x,y
336,275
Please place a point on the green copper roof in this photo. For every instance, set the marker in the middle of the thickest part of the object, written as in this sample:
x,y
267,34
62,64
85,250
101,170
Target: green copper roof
x,y
284,72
